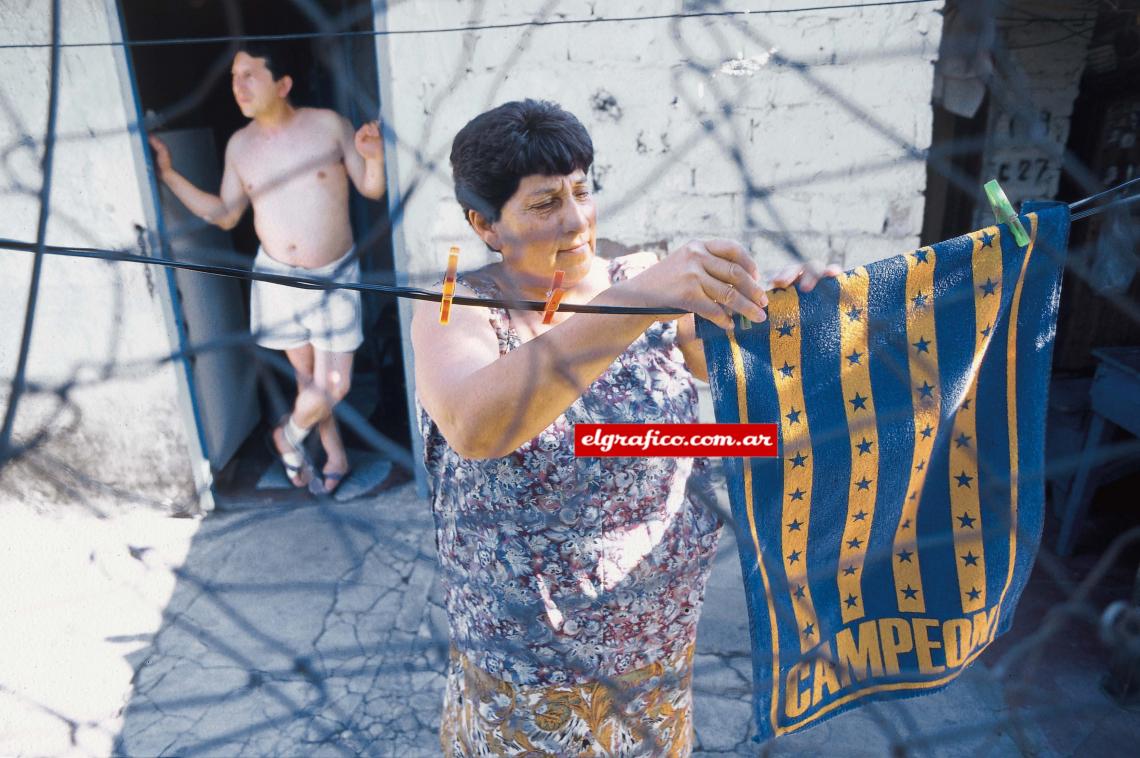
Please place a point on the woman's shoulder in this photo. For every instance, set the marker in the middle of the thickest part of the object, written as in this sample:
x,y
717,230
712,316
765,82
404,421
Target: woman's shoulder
x,y
481,281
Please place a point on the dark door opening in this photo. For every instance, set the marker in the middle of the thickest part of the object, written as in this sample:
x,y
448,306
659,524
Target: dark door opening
x,y
185,89
1102,285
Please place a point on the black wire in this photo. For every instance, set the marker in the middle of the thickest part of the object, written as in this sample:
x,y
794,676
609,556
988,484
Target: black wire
x,y
1100,208
40,248
1030,16
1016,22
18,379
1046,43
468,28
416,293
413,293
1091,198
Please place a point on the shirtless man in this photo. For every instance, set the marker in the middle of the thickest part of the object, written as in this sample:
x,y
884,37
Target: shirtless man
x,y
293,165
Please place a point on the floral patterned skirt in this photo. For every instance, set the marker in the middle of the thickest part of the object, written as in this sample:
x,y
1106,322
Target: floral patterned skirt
x,y
645,712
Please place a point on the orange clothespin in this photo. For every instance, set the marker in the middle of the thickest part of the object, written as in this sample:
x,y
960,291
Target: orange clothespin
x,y
553,297
449,285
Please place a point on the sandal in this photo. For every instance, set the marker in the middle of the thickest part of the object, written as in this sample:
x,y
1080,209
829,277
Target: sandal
x,y
295,462
320,484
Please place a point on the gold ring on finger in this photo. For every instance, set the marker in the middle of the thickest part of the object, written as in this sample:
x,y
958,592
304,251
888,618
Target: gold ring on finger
x,y
727,294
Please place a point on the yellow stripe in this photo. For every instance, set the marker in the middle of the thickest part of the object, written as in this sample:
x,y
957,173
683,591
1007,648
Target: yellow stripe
x,y
746,466
783,311
855,377
1011,403
964,484
891,687
925,393
1011,397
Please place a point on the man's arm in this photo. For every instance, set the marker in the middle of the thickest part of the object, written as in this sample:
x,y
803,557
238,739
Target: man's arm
x,y
223,210
364,157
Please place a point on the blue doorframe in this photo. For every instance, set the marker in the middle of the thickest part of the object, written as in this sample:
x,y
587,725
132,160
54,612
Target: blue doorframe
x,y
154,236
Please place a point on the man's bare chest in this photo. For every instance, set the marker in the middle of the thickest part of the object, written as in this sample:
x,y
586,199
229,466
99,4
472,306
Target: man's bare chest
x,y
268,164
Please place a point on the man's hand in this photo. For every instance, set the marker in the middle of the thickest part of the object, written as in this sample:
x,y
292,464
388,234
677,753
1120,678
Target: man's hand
x,y
222,210
161,156
368,142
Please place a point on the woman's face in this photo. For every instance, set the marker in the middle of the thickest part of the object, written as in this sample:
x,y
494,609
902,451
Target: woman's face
x,y
549,224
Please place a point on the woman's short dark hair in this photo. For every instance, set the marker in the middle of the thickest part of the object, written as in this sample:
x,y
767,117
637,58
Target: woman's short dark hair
x,y
496,149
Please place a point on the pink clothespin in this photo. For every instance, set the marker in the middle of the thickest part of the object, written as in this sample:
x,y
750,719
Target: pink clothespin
x,y
553,297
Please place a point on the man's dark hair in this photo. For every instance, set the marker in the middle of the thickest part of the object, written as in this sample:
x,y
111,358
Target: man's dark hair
x,y
496,149
278,58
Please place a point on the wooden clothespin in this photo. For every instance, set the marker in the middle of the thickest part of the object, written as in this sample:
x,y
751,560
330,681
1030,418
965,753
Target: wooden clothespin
x,y
553,297
1003,211
449,285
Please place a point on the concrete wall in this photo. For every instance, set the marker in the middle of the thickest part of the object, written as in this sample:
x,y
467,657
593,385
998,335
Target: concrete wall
x,y
786,129
801,128
702,126
122,436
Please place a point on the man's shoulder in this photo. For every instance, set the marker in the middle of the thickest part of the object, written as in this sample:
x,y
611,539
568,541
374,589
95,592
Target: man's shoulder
x,y
322,116
240,137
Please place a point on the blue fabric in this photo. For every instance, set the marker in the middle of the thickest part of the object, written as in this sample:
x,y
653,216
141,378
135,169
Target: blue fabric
x,y
890,542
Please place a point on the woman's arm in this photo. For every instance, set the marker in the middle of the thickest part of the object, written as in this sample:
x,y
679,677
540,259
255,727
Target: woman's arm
x,y
692,347
486,405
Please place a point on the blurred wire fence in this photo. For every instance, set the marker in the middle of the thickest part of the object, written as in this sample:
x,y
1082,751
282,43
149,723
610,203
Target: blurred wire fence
x,y
302,687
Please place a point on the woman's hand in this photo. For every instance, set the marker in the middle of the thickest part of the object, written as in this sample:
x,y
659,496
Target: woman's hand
x,y
806,275
717,278
712,278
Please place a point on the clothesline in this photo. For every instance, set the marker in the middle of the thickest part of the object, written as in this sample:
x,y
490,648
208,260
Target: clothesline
x,y
416,293
239,38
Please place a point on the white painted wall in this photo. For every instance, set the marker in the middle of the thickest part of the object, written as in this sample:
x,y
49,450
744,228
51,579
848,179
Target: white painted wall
x,y
825,141
102,325
837,145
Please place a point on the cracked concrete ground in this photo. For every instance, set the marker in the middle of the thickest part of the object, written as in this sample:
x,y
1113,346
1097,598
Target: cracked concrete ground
x,y
317,629
312,630
722,685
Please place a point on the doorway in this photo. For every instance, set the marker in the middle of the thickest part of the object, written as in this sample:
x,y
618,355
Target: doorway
x,y
184,90
1102,286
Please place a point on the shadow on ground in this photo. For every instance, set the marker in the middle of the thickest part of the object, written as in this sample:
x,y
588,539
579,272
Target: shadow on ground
x,y
316,628
310,629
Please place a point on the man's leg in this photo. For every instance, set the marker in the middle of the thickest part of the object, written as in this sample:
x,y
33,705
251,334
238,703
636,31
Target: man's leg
x,y
317,394
302,360
332,375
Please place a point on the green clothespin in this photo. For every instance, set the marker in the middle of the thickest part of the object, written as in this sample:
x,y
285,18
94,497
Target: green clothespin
x,y
745,324
1003,211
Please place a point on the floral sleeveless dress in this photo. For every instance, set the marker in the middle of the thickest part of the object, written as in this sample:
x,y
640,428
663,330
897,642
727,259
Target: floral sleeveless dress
x,y
573,585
